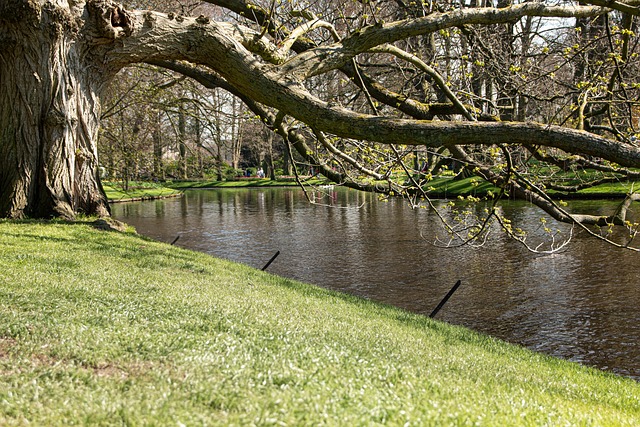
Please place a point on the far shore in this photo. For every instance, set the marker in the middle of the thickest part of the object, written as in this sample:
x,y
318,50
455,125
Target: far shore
x,y
439,188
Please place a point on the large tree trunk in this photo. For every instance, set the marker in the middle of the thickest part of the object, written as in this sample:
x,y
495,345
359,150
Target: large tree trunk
x,y
182,143
49,116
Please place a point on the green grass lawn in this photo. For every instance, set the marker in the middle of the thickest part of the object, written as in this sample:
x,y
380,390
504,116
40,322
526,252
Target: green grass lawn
x,y
108,328
613,189
441,187
450,188
137,190
242,182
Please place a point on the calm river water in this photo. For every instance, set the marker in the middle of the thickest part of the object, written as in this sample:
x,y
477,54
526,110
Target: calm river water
x,y
581,304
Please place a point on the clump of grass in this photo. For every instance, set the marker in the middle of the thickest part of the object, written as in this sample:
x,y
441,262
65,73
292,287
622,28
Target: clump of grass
x,y
110,328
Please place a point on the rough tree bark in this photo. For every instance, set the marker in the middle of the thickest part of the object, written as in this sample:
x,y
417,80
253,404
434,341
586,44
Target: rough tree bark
x,y
49,109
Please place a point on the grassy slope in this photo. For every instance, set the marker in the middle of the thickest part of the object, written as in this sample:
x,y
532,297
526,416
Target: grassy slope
x,y
108,328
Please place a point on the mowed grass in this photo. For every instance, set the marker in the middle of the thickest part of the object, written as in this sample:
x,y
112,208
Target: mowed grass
x,y
138,190
440,187
108,328
448,187
243,182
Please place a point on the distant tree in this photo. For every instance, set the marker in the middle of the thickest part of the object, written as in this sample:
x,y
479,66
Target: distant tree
x,y
129,137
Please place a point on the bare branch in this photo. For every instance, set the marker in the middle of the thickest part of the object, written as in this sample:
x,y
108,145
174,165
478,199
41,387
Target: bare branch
x,y
306,27
320,60
442,85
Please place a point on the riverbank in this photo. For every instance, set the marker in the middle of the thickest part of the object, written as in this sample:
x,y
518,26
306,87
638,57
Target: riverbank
x,y
448,187
138,191
244,182
111,328
444,187
143,190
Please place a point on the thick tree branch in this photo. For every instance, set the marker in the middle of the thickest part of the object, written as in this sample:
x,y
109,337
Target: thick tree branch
x,y
624,7
214,45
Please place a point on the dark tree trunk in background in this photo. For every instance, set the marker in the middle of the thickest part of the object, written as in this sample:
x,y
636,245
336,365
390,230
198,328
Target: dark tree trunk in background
x,y
182,143
199,147
287,167
156,136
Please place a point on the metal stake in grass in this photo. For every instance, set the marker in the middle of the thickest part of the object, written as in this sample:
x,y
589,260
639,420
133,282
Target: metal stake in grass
x,y
445,299
270,261
175,240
